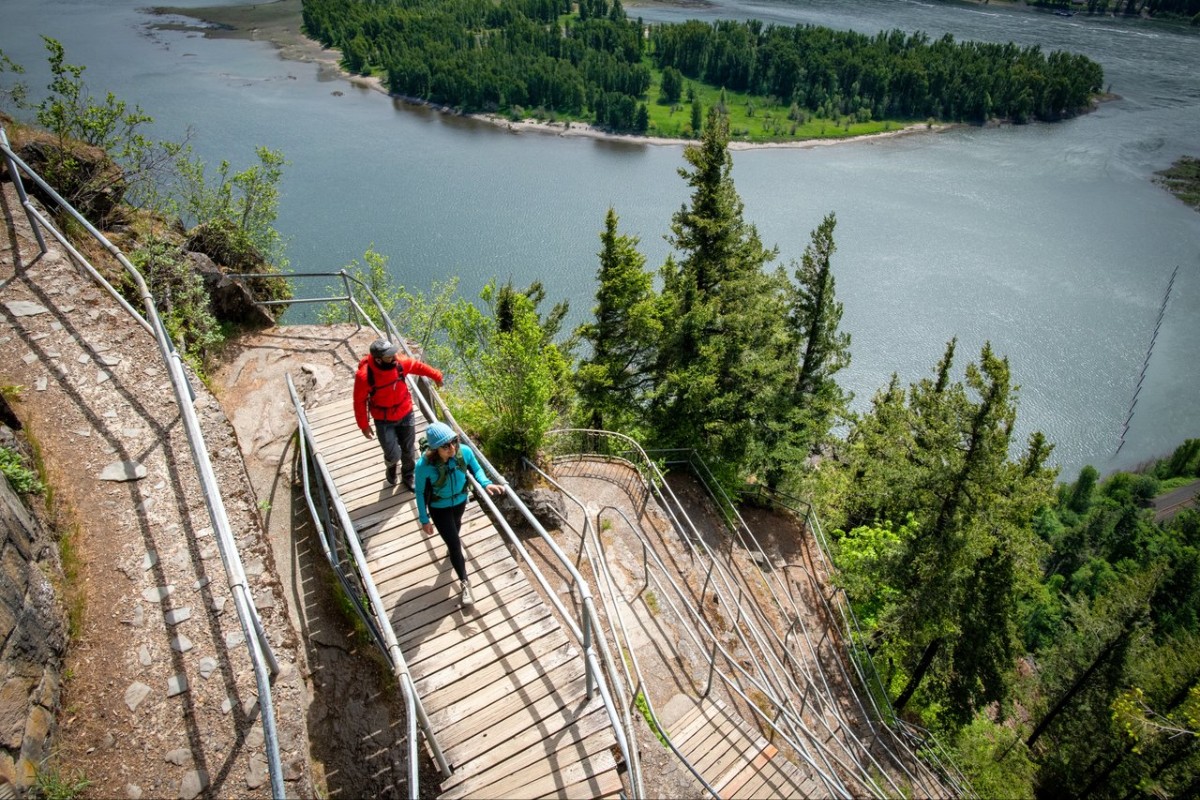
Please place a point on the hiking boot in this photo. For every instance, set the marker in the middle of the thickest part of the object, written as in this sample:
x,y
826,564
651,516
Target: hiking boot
x,y
391,474
466,594
410,483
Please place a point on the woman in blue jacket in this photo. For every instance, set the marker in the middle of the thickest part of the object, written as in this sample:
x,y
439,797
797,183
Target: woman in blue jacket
x,y
441,489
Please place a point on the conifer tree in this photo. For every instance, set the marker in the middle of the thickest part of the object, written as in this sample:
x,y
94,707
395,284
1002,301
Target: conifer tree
x,y
942,458
815,400
724,357
613,380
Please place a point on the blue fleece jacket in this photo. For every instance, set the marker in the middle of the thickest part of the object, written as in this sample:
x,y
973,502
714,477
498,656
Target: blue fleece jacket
x,y
454,490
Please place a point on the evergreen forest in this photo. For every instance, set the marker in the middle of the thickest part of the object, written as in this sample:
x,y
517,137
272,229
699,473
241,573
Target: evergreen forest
x,y
589,61
1047,631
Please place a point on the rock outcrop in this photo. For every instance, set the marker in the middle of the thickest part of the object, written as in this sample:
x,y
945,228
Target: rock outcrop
x,y
34,634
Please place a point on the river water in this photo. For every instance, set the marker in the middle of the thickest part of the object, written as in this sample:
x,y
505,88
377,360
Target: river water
x,y
1049,241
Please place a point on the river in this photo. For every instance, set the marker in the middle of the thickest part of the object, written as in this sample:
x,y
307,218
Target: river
x,y
1050,241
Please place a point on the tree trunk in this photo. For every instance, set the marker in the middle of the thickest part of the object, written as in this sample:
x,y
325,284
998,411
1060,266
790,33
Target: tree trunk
x,y
918,674
1076,687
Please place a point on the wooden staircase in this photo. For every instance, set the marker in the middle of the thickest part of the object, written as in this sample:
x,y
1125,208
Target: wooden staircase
x,y
502,683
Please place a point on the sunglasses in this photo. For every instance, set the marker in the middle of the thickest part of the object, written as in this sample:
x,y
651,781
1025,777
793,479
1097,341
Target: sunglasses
x,y
451,443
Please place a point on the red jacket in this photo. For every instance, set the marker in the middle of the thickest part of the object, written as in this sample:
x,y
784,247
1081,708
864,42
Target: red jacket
x,y
384,391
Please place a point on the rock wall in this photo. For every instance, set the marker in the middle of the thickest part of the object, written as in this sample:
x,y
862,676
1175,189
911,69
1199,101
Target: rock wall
x,y
34,633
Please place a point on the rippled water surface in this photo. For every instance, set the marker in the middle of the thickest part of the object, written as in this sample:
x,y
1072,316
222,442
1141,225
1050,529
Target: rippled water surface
x,y
1049,241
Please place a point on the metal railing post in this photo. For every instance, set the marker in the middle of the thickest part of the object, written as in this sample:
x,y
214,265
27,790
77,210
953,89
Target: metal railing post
x,y
252,629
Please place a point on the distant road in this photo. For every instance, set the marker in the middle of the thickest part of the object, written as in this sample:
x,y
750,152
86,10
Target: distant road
x,y
1171,503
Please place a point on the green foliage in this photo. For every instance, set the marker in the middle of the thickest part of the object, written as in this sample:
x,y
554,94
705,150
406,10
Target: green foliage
x,y
840,74
1182,178
70,112
241,207
515,382
17,92
418,315
1183,463
939,457
613,381
1139,722
74,115
813,403
51,783
643,708
180,298
724,357
511,55
22,479
994,760
868,562
670,86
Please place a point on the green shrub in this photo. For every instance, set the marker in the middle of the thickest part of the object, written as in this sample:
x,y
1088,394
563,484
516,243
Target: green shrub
x,y
22,479
995,760
180,298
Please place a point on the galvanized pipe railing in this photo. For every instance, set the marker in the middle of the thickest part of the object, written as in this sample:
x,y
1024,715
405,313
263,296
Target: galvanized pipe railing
x,y
924,741
433,408
416,709
822,772
927,745
695,617
261,656
769,676
736,525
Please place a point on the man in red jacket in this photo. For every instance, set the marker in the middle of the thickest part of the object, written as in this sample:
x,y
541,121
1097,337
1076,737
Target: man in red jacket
x,y
381,394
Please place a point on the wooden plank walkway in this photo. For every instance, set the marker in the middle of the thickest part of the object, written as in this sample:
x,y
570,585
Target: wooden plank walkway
x,y
735,762
502,682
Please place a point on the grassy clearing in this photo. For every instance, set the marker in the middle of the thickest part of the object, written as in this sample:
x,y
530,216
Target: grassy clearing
x,y
753,119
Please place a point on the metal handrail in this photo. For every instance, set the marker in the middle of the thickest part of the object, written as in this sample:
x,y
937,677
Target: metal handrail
x,y
927,744
601,567
779,698
741,531
261,655
654,483
390,644
906,737
433,407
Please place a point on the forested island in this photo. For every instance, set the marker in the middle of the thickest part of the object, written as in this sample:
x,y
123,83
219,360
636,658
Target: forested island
x,y
587,61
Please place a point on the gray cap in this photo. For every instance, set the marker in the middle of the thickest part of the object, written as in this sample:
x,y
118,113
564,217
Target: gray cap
x,y
382,348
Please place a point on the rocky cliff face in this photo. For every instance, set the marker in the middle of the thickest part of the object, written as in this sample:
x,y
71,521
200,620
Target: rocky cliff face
x,y
33,631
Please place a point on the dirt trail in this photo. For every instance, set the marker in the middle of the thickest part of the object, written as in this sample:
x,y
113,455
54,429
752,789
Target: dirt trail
x,y
160,698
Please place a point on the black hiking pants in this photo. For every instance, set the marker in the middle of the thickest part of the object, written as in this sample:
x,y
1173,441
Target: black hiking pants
x,y
448,521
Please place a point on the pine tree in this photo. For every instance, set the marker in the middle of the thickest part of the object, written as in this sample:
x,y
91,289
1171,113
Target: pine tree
x,y
724,358
942,458
613,380
814,401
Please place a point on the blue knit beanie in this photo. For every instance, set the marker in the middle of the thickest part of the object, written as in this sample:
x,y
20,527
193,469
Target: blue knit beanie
x,y
438,434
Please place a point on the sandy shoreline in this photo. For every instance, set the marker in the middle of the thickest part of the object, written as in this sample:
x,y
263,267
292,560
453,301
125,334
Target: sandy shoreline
x,y
278,22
